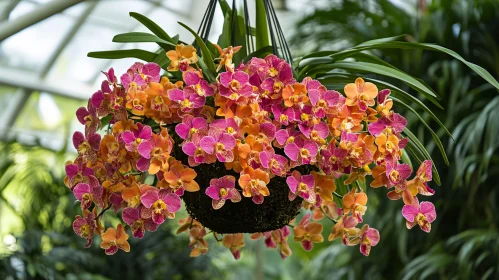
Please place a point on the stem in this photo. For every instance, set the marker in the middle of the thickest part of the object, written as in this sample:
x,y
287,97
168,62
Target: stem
x,y
102,212
322,210
291,225
337,194
215,236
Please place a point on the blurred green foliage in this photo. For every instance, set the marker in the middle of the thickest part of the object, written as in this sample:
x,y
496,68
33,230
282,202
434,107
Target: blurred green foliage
x,y
463,243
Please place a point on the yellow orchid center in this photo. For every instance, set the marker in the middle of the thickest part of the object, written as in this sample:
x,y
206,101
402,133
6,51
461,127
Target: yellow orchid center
x,y
283,118
304,117
333,159
192,130
234,96
142,76
156,152
394,175
186,103
199,152
422,221
88,119
87,196
133,84
134,201
138,140
83,147
230,130
220,147
389,145
159,206
273,72
223,192
278,86
304,153
85,230
302,187
291,139
322,103
235,85
200,90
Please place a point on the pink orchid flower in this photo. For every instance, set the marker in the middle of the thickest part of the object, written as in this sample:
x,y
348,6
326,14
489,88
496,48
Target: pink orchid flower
x,y
397,173
302,186
111,78
286,136
229,126
220,144
88,117
319,132
186,100
422,214
275,163
193,82
369,237
283,115
322,100
87,146
332,159
395,124
235,86
191,125
138,139
139,75
78,172
279,74
162,203
223,189
301,151
138,224
85,226
87,195
196,153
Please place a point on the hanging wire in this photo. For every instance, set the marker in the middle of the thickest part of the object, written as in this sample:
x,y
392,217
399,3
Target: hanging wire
x,y
249,36
279,44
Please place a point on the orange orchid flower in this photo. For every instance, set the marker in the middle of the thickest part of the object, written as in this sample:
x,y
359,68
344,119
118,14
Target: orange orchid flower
x,y
181,57
361,94
180,176
114,239
254,184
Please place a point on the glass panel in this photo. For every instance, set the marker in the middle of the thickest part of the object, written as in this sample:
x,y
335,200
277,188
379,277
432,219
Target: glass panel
x,y
73,63
47,118
117,14
30,48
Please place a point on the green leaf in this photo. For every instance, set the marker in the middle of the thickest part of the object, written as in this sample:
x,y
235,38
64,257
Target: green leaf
x,y
151,25
118,54
433,134
418,151
139,37
142,37
261,53
240,39
389,72
262,31
206,54
225,36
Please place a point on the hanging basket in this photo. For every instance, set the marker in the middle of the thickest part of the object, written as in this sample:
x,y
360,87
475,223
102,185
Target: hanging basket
x,y
245,216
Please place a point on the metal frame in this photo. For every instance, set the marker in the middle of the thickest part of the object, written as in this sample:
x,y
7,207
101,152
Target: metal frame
x,y
10,28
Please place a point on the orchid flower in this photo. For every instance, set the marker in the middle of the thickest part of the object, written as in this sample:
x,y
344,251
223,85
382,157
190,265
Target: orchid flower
x,y
308,233
301,151
361,94
223,189
421,214
181,57
302,186
85,226
197,84
138,224
162,203
114,239
234,242
220,144
254,184
87,195
369,237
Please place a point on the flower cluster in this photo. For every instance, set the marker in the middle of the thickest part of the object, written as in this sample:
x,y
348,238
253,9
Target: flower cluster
x,y
260,123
